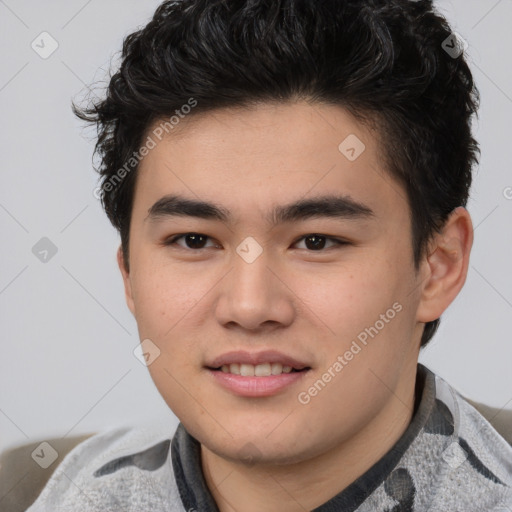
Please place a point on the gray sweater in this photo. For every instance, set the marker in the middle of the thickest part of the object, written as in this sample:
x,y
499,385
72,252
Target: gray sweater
x,y
450,459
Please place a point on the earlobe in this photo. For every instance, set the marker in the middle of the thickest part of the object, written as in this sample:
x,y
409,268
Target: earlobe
x,y
447,265
126,280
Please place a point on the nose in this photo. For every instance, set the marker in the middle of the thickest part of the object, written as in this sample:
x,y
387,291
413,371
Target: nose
x,y
254,296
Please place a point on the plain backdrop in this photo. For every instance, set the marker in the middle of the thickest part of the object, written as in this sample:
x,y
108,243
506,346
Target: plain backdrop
x,y
66,360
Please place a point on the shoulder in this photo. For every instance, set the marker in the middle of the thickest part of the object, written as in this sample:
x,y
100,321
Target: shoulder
x,y
477,460
474,430
125,468
483,440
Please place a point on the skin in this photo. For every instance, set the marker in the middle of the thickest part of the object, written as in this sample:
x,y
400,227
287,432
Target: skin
x,y
196,304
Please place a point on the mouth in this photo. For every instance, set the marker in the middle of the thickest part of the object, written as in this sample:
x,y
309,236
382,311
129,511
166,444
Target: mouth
x,y
256,374
259,370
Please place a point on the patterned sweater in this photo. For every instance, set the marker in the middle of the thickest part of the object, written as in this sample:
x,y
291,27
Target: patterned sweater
x,y
449,459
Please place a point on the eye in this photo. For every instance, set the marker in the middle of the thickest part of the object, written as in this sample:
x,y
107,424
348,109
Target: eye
x,y
197,241
192,240
316,242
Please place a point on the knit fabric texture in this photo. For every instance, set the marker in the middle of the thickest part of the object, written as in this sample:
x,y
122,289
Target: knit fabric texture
x,y
449,459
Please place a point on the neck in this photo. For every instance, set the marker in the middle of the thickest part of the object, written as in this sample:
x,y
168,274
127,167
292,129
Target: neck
x,y
306,485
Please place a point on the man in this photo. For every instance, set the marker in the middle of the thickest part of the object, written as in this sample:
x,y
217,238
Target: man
x,y
289,180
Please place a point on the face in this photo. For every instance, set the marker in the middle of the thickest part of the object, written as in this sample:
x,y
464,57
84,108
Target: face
x,y
301,257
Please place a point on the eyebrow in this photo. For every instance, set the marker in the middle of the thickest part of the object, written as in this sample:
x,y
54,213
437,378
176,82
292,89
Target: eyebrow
x,y
331,206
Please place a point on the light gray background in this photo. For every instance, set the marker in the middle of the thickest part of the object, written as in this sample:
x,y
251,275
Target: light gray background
x,y
66,363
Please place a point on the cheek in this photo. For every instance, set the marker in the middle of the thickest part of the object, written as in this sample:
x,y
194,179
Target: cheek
x,y
163,295
348,298
366,304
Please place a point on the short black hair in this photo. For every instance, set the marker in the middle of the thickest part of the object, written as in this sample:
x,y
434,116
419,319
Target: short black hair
x,y
385,61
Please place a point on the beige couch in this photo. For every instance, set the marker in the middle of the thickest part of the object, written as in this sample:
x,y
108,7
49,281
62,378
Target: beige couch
x,y
21,479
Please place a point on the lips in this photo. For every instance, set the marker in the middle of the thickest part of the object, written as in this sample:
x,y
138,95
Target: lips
x,y
257,374
260,370
255,359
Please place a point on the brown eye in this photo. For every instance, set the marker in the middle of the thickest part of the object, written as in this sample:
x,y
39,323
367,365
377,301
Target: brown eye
x,y
315,242
192,240
195,241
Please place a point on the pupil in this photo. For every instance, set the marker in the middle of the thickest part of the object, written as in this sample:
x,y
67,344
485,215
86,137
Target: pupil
x,y
196,241
318,242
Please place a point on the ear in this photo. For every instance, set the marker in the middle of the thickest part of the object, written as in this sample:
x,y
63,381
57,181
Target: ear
x,y
126,280
446,265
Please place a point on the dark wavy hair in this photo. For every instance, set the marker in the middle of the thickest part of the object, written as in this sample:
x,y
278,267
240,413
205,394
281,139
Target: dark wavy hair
x,y
385,61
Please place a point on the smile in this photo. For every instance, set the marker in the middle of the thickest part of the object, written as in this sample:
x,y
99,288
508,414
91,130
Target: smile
x,y
259,370
257,381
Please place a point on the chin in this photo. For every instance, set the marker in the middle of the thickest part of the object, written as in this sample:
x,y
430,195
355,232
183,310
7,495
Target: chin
x,y
262,453
256,446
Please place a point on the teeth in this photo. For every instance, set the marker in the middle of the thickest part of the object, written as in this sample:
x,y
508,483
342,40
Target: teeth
x,y
263,370
259,370
247,370
277,368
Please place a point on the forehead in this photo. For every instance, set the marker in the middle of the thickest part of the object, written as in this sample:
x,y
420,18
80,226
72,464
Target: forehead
x,y
257,157
309,125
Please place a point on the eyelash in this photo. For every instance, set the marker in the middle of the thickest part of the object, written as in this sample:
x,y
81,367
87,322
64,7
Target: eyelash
x,y
339,242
